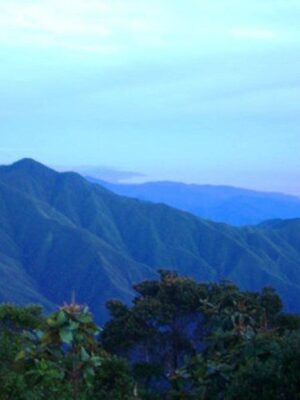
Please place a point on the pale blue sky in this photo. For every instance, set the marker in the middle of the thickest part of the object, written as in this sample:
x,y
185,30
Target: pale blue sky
x,y
201,91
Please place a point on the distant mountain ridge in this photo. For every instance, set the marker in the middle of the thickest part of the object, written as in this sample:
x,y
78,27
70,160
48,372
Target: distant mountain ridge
x,y
227,204
59,233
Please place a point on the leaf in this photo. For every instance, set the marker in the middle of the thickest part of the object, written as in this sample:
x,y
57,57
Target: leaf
x,y
73,326
84,354
61,317
20,356
97,361
84,318
57,319
66,336
51,322
88,375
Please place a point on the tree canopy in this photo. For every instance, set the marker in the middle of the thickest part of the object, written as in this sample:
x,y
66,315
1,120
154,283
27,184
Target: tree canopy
x,y
179,340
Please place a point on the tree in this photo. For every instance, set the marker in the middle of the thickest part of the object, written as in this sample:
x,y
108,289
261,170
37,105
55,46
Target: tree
x,y
13,321
63,356
246,344
113,381
163,326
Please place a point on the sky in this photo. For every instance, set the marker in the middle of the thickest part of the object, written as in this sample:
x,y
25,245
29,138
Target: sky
x,y
203,91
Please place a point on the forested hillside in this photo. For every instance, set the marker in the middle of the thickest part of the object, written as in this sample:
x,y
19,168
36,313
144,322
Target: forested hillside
x,y
60,233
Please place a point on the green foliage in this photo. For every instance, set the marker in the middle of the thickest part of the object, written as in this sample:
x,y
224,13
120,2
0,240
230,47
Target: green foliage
x,y
159,330
201,341
270,372
57,358
248,349
13,320
65,350
113,381
183,341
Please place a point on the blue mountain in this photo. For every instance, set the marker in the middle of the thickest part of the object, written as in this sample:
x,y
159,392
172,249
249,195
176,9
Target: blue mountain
x,y
218,203
60,233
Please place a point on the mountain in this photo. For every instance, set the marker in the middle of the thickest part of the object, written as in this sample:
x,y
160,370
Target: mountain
x,y
219,203
60,233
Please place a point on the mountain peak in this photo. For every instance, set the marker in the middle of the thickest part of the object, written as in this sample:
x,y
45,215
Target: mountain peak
x,y
31,166
28,175
27,162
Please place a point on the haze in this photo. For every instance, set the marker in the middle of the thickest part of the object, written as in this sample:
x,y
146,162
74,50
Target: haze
x,y
195,91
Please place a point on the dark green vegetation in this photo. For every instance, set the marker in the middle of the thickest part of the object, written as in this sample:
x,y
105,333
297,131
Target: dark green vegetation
x,y
57,358
219,203
60,233
181,340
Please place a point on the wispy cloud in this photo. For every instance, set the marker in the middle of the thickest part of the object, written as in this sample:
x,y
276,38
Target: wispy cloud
x,y
93,25
103,173
254,33
116,25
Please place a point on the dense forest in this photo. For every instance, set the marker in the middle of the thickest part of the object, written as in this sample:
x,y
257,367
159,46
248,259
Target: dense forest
x,y
179,339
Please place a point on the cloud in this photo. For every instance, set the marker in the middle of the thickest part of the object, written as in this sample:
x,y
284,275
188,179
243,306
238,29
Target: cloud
x,y
104,173
91,25
118,27
254,33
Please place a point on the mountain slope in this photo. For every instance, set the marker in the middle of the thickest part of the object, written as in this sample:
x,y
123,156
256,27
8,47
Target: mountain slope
x,y
219,203
60,233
